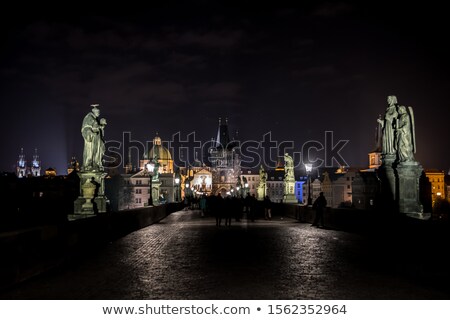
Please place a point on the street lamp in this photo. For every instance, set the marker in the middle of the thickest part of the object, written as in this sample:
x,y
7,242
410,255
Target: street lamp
x,y
247,190
150,166
308,168
177,186
186,187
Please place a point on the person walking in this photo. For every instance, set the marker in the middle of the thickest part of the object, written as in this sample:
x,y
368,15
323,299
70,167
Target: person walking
x,y
267,208
319,205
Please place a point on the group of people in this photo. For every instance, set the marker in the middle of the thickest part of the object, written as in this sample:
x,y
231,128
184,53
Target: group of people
x,y
228,208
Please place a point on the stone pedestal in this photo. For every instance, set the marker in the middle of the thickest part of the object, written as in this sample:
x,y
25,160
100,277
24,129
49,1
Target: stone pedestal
x,y
408,187
92,199
261,192
289,193
156,184
387,175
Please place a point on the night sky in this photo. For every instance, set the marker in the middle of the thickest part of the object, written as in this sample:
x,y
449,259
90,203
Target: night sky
x,y
295,72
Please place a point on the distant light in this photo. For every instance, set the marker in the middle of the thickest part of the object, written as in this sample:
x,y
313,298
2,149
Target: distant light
x,y
308,167
150,166
438,194
177,180
246,185
232,190
237,188
187,185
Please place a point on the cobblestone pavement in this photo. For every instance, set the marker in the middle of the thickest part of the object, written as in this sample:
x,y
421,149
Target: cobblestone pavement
x,y
188,257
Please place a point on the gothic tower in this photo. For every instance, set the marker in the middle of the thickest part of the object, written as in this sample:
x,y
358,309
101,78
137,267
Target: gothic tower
x,y
225,160
21,166
36,165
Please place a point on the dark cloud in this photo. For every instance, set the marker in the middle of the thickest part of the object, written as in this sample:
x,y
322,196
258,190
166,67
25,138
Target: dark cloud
x,y
296,72
330,9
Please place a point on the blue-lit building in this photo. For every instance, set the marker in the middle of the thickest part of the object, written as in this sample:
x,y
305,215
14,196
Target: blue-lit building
x,y
299,191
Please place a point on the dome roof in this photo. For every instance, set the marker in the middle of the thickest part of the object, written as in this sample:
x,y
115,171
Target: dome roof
x,y
161,152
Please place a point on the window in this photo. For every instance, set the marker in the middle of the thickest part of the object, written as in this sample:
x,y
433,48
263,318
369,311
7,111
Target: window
x,y
138,191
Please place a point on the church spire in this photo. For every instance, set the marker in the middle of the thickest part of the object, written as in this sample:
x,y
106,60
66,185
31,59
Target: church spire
x,y
36,165
223,137
21,167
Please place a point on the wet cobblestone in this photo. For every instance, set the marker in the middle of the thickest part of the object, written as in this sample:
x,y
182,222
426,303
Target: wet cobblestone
x,y
188,257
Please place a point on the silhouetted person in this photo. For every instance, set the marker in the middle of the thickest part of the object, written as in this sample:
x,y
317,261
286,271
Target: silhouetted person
x,y
249,207
228,210
320,205
267,208
219,209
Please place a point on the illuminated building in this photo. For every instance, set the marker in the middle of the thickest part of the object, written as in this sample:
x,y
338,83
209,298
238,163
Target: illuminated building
x,y
252,178
375,154
275,185
225,161
136,185
21,167
22,170
50,172
73,165
36,165
436,178
162,154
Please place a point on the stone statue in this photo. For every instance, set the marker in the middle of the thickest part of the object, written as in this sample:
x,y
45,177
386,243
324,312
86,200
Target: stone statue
x,y
389,125
92,131
261,189
262,175
288,167
405,135
100,152
155,174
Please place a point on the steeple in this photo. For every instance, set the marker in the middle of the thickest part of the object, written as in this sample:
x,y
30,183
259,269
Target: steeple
x,y
21,167
129,166
36,165
223,138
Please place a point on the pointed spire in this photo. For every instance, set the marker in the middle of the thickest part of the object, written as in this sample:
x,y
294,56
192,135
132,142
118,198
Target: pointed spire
x,y
220,121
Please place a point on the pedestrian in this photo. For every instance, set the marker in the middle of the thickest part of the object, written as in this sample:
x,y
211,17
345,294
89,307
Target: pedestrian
x,y
267,208
319,205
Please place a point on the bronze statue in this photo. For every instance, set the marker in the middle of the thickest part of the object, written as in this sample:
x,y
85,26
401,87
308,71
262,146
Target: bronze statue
x,y
92,130
405,135
389,124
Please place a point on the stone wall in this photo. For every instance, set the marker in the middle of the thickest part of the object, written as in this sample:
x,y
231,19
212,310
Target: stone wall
x,y
28,252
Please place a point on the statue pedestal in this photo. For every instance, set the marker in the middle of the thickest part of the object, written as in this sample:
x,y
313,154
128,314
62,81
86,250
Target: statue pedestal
x,y
92,198
261,191
289,195
387,175
156,184
408,188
